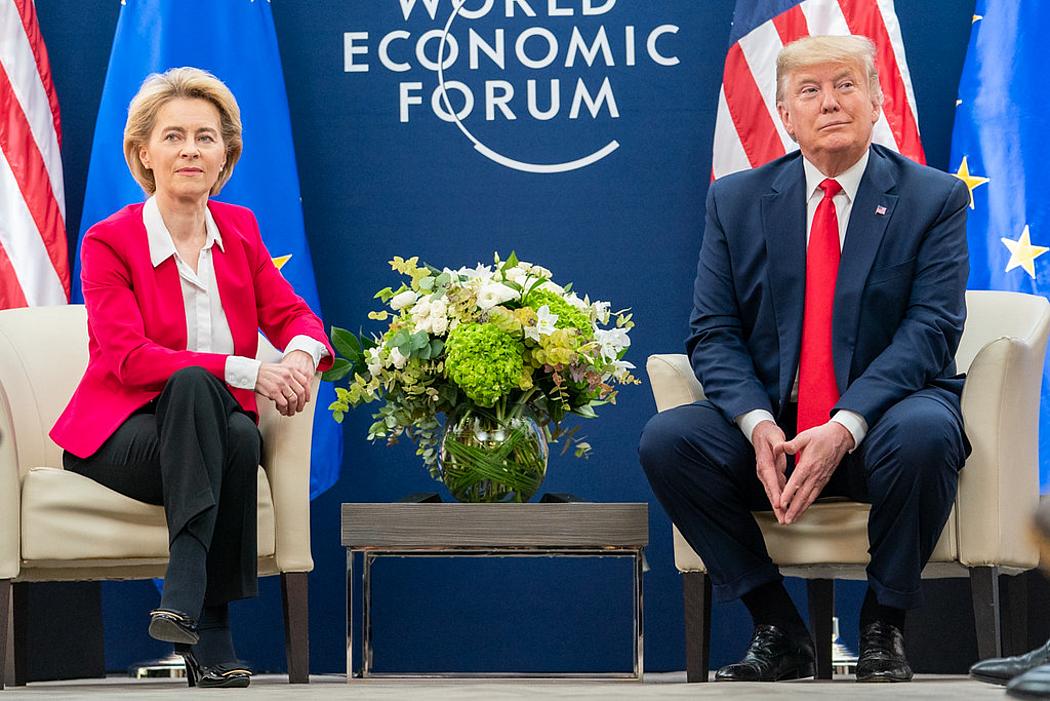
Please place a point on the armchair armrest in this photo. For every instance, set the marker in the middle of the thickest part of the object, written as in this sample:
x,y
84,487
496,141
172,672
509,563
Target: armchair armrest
x,y
672,380
286,458
999,486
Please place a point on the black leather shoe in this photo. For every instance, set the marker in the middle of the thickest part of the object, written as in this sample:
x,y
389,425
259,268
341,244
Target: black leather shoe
x,y
1000,670
227,675
172,626
1033,684
772,656
882,654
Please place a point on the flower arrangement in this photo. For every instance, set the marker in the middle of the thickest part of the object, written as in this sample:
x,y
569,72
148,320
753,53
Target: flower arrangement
x,y
495,342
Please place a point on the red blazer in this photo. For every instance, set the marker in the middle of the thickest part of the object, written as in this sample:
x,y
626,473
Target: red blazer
x,y
137,322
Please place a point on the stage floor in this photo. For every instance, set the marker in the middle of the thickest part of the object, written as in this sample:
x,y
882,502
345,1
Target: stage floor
x,y
655,686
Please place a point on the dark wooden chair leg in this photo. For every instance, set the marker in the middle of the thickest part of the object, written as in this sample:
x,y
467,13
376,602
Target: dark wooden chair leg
x,y
20,630
294,588
984,588
696,588
821,595
13,634
1015,614
6,632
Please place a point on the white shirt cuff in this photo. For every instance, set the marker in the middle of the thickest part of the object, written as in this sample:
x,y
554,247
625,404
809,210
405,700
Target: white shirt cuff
x,y
312,346
854,423
242,372
747,422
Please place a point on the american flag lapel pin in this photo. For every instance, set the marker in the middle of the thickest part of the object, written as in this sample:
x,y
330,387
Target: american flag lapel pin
x,y
880,210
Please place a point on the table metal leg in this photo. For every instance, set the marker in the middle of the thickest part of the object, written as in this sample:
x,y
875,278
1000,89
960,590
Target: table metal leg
x,y
366,615
349,615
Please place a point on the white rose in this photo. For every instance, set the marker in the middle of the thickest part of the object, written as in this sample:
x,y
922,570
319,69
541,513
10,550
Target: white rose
x,y
374,362
482,272
495,293
402,300
397,359
422,309
553,287
438,325
516,275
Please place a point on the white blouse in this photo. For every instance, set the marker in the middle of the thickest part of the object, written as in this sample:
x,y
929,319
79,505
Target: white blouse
x,y
207,329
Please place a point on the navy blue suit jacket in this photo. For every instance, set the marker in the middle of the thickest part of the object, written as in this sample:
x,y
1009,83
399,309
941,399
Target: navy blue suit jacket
x,y
899,297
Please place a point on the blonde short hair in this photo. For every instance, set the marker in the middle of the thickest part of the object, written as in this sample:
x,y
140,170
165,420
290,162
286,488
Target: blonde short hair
x,y
811,50
159,89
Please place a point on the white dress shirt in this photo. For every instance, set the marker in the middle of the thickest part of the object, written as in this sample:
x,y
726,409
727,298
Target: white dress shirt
x,y
850,182
207,329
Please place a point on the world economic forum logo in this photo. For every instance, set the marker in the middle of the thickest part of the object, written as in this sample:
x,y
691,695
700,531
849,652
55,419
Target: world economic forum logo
x,y
538,69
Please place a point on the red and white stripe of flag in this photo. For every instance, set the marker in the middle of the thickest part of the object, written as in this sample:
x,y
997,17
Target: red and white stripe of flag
x,y
34,262
748,131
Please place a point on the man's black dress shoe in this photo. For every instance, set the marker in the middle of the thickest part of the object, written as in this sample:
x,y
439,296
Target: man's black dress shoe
x,y
1000,670
772,656
1033,684
882,654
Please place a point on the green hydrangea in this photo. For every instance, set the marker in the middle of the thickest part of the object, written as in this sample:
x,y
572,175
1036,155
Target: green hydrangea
x,y
485,362
568,315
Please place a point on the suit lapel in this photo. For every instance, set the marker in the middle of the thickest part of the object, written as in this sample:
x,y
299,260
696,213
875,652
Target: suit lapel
x,y
784,227
869,216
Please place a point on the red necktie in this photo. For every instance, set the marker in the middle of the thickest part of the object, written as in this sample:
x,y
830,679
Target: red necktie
x,y
817,389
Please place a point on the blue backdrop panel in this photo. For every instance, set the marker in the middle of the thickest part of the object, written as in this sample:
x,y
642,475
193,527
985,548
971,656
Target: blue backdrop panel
x,y
626,228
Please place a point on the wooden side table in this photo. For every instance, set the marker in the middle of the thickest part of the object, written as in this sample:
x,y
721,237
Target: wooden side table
x,y
489,530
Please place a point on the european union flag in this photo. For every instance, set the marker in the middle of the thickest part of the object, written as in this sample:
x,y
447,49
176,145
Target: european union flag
x,y
1001,150
236,41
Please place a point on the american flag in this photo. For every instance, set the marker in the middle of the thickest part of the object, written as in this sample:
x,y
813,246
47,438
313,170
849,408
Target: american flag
x,y
34,263
748,131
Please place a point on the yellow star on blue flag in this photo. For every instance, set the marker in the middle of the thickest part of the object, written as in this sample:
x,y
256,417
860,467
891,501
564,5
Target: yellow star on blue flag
x,y
1023,253
972,181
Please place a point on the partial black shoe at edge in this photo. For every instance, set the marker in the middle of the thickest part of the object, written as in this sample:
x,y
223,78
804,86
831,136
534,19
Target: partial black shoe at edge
x,y
1000,670
882,654
1033,684
772,655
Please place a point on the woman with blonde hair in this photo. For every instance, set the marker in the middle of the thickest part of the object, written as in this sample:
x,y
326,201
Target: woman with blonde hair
x,y
177,289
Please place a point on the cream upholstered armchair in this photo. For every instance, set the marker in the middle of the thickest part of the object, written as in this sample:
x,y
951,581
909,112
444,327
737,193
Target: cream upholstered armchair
x,y
61,526
1002,351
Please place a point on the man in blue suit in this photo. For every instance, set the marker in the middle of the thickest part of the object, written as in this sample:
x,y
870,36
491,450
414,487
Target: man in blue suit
x,y
828,306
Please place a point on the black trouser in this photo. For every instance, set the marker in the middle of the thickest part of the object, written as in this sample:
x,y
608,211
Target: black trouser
x,y
195,451
702,469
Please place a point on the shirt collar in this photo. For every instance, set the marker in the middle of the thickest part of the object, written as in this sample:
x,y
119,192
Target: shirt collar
x,y
848,179
161,246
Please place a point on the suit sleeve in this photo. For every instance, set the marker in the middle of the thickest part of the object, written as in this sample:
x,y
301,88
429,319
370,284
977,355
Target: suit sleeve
x,y
928,336
716,348
116,322
282,313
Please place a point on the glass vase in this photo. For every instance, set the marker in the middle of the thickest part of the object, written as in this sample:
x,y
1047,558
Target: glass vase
x,y
485,458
